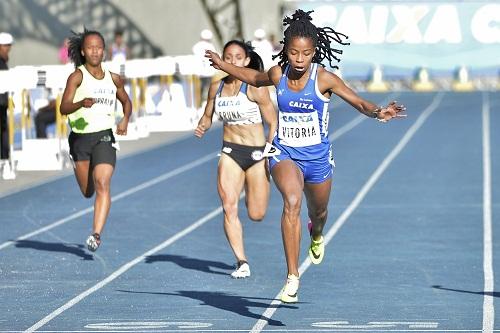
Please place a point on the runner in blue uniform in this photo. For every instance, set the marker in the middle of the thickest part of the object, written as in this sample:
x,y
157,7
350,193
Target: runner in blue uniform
x,y
304,161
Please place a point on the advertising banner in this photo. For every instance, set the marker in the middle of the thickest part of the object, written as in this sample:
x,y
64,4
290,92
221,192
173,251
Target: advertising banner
x,y
406,35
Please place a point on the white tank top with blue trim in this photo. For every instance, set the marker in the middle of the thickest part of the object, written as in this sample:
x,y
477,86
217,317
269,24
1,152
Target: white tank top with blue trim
x,y
237,110
303,119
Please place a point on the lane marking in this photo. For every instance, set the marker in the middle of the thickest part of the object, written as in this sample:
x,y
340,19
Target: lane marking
x,y
147,325
115,198
126,267
269,312
489,282
353,123
123,269
137,260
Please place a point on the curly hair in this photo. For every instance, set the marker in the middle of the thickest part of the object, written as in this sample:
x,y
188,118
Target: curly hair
x,y
76,44
300,25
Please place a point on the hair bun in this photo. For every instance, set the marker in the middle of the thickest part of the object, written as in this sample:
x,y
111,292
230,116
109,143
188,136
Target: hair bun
x,y
299,15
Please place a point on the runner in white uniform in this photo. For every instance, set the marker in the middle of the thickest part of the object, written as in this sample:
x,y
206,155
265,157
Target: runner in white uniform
x,y
241,165
89,100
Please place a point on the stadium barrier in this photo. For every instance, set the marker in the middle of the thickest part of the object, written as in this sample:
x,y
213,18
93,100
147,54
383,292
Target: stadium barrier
x,y
165,94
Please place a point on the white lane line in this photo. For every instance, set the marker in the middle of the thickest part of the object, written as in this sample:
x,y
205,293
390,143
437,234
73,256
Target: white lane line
x,y
123,269
127,266
489,282
281,330
353,123
269,312
117,197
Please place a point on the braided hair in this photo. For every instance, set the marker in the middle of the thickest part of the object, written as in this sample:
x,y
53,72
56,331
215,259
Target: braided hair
x,y
76,44
255,60
300,25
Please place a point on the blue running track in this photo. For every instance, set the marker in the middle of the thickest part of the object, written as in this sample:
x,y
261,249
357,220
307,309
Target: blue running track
x,y
411,237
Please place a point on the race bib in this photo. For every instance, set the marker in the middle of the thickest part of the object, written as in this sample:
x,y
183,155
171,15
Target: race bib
x,y
299,129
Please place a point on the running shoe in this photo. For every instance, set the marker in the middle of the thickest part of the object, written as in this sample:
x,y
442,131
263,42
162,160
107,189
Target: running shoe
x,y
242,270
317,250
93,242
289,293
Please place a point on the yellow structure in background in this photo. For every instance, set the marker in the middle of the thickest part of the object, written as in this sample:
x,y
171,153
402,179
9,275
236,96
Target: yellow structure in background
x,y
422,82
61,121
377,83
8,170
462,82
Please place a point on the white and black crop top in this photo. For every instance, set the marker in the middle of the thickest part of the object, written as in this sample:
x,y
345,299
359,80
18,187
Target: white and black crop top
x,y
236,110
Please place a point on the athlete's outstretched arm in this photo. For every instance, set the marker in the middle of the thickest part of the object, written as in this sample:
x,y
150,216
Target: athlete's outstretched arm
x,y
67,105
266,106
205,121
122,96
248,75
330,81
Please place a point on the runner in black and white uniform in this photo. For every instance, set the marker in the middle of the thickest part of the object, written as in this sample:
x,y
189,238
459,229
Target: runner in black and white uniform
x,y
242,164
89,100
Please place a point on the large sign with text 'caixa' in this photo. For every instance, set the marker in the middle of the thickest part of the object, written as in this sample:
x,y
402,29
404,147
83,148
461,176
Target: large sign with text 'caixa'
x,y
440,35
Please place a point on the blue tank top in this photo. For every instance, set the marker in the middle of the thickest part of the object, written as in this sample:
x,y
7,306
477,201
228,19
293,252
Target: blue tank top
x,y
303,119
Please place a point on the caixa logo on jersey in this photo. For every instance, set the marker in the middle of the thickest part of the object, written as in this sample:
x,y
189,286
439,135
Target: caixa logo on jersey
x,y
297,118
301,105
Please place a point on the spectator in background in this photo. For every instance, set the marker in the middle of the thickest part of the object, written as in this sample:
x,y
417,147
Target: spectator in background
x,y
118,51
63,52
199,48
277,47
45,116
6,41
263,47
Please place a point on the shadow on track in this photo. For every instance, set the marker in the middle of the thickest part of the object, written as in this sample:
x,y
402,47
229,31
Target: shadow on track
x,y
488,293
227,302
191,263
76,249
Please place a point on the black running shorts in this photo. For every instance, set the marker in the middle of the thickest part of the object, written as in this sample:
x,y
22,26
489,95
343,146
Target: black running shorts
x,y
94,147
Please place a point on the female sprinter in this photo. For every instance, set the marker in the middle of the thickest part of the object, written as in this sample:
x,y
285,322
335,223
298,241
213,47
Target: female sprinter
x,y
305,162
89,101
242,165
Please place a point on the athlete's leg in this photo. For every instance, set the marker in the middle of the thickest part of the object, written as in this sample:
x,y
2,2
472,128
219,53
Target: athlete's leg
x,y
102,179
257,190
290,182
317,196
230,182
83,173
